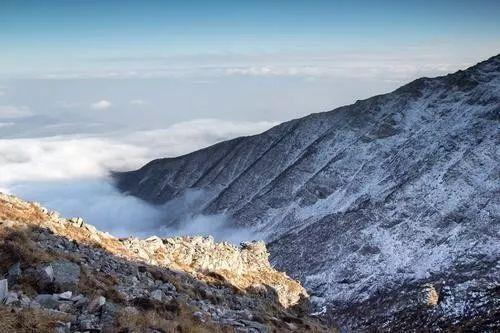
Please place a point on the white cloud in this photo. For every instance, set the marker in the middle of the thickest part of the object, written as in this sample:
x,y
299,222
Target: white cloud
x,y
184,137
380,69
69,174
138,102
101,105
12,112
76,156
98,202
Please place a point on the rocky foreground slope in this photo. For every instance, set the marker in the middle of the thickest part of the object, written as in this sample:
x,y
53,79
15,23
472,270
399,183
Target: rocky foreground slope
x,y
370,203
62,275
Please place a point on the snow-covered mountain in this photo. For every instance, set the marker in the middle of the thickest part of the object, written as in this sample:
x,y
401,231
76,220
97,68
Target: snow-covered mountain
x,y
377,207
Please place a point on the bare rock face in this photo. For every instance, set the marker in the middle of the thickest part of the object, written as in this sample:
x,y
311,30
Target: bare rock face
x,y
364,201
244,267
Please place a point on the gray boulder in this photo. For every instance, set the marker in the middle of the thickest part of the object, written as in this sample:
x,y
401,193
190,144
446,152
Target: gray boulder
x,y
47,301
14,273
66,276
108,315
58,276
42,276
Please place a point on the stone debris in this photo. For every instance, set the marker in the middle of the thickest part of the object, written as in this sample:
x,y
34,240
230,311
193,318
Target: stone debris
x,y
76,221
203,254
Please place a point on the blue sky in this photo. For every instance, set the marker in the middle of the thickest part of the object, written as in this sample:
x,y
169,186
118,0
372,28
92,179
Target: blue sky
x,y
44,36
89,86
106,61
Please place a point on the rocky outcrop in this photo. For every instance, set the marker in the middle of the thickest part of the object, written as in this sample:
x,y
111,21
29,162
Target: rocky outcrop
x,y
244,267
66,276
361,202
430,296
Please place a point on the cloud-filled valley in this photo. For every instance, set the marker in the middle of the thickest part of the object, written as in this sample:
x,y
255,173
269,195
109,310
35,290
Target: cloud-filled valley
x,y
70,174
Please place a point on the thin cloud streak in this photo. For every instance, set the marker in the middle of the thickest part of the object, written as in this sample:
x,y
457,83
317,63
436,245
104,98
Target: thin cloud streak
x,y
429,58
13,112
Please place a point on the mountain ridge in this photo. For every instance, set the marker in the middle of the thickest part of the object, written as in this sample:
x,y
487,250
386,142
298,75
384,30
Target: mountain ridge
x,y
395,190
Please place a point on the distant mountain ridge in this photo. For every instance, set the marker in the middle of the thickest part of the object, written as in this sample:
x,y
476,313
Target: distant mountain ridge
x,y
369,202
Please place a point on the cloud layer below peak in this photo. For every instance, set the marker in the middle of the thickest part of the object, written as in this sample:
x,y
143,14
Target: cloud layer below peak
x,y
68,173
86,156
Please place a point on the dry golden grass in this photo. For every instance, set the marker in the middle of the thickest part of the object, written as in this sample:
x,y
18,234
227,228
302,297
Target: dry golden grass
x,y
19,211
12,209
16,245
29,320
129,319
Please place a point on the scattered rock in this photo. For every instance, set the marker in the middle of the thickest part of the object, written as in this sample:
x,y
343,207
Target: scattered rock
x,y
204,255
76,221
43,277
61,329
11,299
154,243
4,289
24,301
108,315
200,316
79,301
48,301
96,304
157,295
67,295
88,325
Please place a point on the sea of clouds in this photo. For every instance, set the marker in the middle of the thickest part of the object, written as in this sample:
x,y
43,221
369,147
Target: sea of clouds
x,y
70,174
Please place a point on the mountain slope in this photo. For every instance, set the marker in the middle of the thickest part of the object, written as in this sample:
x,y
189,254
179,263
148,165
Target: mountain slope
x,y
63,275
392,192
